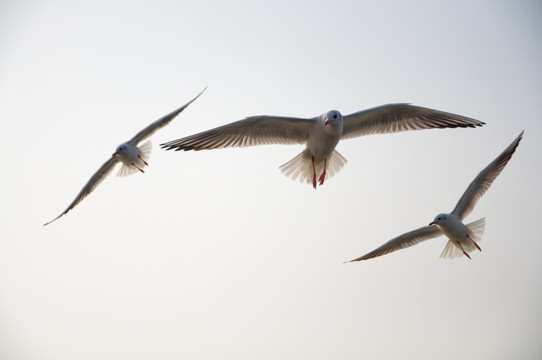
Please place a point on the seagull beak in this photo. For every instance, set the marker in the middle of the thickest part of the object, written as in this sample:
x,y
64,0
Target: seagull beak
x,y
114,154
327,122
431,223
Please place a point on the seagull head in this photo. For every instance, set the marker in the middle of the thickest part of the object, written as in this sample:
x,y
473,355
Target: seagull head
x,y
440,219
122,150
332,117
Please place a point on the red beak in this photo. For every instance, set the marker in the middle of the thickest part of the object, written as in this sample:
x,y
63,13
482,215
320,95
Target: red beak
x,y
431,223
327,122
115,153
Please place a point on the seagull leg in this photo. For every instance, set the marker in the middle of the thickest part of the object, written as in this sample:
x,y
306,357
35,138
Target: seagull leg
x,y
314,174
134,165
461,247
144,162
323,176
475,244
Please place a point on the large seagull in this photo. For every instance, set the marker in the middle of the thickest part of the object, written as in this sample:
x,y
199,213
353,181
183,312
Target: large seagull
x,y
320,134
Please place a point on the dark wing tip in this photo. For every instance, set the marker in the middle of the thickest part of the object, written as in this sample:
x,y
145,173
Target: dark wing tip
x,y
368,256
55,219
168,147
480,124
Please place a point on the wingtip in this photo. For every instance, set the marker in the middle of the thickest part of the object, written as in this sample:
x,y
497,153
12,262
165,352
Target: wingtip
x,y
201,92
476,124
55,219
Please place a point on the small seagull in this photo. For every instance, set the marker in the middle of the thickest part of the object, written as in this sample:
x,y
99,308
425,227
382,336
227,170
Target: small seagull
x,y
320,134
133,157
462,238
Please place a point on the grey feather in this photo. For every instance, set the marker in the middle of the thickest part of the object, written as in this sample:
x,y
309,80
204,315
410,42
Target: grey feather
x,y
393,118
252,131
403,241
483,181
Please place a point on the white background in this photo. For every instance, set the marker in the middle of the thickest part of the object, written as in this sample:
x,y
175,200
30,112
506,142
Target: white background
x,y
217,255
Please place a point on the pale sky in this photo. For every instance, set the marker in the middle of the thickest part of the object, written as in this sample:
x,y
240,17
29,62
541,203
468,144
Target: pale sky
x,y
216,254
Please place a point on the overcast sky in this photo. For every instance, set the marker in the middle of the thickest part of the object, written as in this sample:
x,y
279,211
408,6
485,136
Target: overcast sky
x,y
216,254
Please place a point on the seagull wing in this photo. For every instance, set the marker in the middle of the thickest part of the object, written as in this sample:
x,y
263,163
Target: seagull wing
x,y
255,130
94,181
483,181
401,117
403,241
160,123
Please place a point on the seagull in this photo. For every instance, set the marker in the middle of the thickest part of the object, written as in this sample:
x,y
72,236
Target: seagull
x,y
133,157
462,238
321,135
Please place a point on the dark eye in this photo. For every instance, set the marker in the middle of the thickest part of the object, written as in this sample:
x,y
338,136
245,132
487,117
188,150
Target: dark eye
x,y
438,218
334,116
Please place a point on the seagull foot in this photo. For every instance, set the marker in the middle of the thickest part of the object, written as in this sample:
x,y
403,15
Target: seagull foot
x,y
144,162
134,165
464,252
322,178
475,244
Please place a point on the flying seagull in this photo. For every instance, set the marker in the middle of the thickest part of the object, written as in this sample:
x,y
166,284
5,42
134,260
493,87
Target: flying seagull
x,y
133,157
462,238
320,134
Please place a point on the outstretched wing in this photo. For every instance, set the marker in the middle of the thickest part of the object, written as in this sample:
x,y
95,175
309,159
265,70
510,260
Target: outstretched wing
x,y
255,130
401,117
94,181
483,181
403,241
160,123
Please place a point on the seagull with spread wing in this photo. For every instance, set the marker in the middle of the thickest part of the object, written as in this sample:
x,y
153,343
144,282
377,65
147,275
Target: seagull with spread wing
x,y
133,158
462,238
320,134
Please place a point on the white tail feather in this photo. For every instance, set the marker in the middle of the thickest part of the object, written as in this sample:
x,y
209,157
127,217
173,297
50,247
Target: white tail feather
x,y
140,163
475,230
451,251
300,167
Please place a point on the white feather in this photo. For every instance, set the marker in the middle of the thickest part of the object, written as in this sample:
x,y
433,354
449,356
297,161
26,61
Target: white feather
x,y
146,150
451,251
300,168
476,229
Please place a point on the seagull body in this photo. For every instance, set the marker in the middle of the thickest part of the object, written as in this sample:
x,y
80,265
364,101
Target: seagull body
x,y
320,134
133,158
462,238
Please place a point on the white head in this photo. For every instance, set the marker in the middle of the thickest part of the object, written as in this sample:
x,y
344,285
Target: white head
x,y
122,150
332,117
440,219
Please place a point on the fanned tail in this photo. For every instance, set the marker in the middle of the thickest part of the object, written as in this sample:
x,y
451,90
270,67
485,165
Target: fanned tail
x,y
140,163
451,251
300,168
475,230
